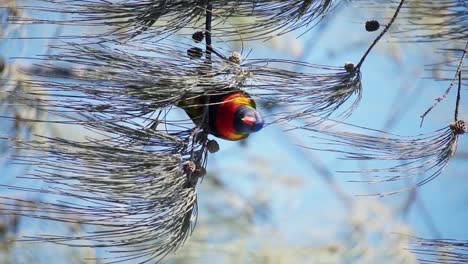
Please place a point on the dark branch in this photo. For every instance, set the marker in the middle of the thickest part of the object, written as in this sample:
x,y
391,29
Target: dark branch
x,y
457,104
381,34
209,47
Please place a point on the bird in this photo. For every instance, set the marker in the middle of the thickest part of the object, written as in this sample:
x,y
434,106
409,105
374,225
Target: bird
x,y
231,115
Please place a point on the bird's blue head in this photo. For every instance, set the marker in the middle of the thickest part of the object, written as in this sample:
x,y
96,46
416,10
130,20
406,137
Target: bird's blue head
x,y
247,120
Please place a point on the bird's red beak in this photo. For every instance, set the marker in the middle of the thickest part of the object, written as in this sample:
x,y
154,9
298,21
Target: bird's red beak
x,y
249,120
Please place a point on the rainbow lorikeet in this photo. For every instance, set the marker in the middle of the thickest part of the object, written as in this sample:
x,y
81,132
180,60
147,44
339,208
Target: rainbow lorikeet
x,y
231,115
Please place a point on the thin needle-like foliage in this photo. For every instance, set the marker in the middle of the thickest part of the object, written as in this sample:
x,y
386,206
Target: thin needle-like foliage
x,y
420,158
441,251
449,63
306,94
121,82
124,192
131,184
436,20
426,20
232,18
119,85
11,83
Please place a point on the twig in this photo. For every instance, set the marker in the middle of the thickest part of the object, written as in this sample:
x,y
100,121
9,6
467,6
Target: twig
x,y
209,46
457,104
381,34
209,15
439,99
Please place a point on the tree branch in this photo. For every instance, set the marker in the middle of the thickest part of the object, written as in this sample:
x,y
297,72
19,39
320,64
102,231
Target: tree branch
x,y
457,104
209,48
439,99
381,34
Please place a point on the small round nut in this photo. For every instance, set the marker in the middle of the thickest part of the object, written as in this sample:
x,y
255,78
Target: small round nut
x,y
195,53
198,36
458,127
349,66
199,172
2,64
177,156
189,167
235,57
372,25
212,146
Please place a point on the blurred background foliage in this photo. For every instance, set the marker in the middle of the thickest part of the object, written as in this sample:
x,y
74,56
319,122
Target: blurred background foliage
x,y
280,204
